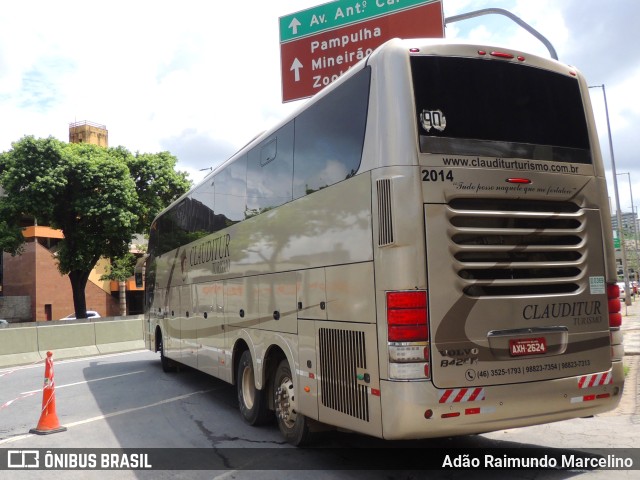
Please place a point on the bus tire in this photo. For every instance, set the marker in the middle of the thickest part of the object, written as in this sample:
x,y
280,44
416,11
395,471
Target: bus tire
x,y
293,425
168,365
251,401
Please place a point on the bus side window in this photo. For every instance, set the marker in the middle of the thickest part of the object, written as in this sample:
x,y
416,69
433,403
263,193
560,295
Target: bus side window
x,y
330,137
203,208
230,186
270,172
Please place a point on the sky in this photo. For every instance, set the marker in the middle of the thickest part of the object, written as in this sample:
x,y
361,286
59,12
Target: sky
x,y
200,78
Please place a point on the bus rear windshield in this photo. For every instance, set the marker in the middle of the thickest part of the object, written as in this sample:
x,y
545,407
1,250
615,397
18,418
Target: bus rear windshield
x,y
495,108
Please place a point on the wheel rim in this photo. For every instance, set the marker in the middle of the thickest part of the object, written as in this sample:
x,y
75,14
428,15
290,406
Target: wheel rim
x,y
285,403
248,387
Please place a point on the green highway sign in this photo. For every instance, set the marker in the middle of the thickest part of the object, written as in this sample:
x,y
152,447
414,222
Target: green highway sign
x,y
616,243
322,43
338,14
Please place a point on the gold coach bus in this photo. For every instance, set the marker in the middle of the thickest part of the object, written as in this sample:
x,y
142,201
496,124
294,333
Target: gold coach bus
x,y
422,250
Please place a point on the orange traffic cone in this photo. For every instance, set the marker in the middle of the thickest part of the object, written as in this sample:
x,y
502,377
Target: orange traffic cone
x,y
48,419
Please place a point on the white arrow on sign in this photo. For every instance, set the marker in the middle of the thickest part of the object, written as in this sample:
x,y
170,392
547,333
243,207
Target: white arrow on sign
x,y
296,66
294,25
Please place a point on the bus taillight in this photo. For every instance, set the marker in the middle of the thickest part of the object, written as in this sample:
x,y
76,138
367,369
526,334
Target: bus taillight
x,y
613,294
407,316
408,335
501,55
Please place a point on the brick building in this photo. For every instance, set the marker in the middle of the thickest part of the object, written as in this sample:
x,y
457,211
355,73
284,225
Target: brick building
x,y
35,274
88,132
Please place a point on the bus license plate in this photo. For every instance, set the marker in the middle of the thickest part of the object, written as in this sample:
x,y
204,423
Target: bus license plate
x,y
527,346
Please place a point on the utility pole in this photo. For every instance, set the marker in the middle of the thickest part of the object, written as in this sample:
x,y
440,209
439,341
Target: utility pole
x,y
623,248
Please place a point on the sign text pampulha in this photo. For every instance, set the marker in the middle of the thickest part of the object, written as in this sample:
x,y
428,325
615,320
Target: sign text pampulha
x,y
321,43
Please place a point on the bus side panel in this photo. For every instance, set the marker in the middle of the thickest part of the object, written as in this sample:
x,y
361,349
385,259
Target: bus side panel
x,y
188,328
208,301
351,293
347,358
308,369
242,307
277,302
400,256
312,294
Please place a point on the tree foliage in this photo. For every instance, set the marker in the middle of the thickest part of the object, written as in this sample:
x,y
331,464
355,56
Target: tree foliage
x,y
121,268
98,197
156,180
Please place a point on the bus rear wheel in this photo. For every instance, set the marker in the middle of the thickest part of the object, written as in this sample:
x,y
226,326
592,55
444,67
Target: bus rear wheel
x,y
251,401
167,364
293,425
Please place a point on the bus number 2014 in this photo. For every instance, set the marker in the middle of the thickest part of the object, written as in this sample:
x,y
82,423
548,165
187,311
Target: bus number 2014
x,y
437,176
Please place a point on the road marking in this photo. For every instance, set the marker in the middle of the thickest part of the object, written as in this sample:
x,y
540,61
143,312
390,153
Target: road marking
x,y
86,381
114,414
39,363
6,404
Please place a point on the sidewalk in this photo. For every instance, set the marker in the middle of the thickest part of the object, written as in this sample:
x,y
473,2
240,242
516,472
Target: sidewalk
x,y
631,327
631,331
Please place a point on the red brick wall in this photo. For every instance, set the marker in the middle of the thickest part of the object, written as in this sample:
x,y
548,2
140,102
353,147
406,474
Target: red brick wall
x,y
18,274
35,273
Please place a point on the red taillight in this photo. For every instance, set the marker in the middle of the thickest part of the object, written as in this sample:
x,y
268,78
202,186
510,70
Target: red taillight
x,y
501,55
615,305
407,316
399,300
450,415
407,333
615,320
613,294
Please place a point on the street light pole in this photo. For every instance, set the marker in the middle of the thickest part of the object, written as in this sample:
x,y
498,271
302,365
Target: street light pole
x,y
508,14
625,271
635,225
635,236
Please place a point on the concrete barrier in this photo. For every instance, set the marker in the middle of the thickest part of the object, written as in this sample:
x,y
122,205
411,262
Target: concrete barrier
x,y
18,346
119,336
27,343
67,340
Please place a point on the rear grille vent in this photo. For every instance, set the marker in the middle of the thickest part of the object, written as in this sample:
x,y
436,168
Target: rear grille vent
x,y
517,247
385,217
514,205
342,354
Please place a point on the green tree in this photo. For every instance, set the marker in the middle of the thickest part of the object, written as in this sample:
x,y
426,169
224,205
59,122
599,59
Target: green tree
x,y
157,183
87,192
120,270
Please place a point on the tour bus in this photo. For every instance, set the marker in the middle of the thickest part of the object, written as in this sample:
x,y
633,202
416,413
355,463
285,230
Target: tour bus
x,y
423,249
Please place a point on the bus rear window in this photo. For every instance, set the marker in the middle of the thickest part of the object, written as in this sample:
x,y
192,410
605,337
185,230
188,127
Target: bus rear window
x,y
494,108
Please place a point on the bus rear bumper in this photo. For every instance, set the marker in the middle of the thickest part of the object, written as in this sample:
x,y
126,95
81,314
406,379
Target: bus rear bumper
x,y
413,410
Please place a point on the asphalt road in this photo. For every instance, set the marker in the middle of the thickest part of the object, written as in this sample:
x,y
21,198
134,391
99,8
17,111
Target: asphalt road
x,y
126,401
